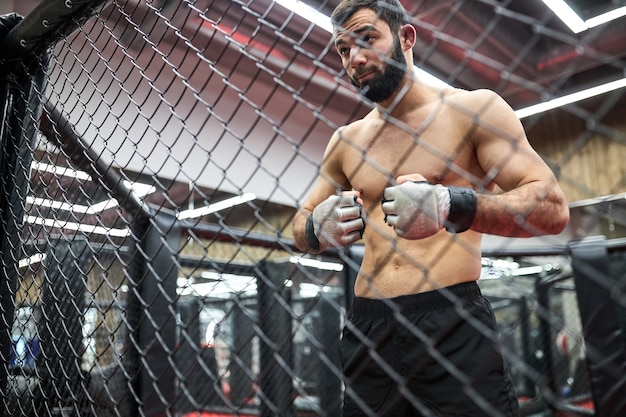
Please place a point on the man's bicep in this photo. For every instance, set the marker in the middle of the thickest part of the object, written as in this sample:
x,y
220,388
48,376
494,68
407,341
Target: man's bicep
x,y
522,166
331,179
322,189
505,155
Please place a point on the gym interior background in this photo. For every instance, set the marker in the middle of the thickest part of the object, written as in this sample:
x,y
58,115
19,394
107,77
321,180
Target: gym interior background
x,y
153,154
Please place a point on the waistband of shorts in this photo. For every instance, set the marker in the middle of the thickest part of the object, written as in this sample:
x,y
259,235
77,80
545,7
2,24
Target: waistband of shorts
x,y
430,300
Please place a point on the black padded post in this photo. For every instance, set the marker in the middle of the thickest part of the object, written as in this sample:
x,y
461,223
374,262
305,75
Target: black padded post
x,y
605,348
198,381
274,300
241,383
61,335
157,330
329,384
22,80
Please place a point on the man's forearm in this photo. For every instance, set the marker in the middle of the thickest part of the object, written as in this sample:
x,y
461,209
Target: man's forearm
x,y
530,210
299,230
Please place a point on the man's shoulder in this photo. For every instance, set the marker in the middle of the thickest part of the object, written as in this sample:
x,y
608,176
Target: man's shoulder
x,y
481,101
357,125
478,94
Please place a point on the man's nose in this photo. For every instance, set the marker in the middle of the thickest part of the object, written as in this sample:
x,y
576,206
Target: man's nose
x,y
357,58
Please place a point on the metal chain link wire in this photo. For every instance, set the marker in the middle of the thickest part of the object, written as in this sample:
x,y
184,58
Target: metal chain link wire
x,y
140,294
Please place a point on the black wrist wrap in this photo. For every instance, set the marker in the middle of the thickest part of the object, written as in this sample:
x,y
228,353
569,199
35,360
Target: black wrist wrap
x,y
462,209
309,231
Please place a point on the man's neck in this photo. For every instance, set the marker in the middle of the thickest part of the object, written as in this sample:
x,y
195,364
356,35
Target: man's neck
x,y
410,95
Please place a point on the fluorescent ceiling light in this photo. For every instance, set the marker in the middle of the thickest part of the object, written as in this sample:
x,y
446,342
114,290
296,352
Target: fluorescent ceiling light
x,y
141,190
62,171
39,257
314,263
223,285
86,228
309,290
59,205
606,17
102,206
564,12
309,13
571,98
576,24
212,208
75,208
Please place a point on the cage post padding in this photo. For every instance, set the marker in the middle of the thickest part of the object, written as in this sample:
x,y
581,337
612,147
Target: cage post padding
x,y
603,336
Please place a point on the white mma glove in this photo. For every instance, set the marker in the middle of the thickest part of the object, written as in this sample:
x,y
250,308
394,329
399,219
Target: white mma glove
x,y
417,210
337,221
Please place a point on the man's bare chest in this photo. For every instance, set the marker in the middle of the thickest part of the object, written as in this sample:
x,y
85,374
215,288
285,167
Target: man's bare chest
x,y
375,160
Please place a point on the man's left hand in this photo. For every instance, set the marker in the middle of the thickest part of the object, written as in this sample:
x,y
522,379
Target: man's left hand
x,y
416,208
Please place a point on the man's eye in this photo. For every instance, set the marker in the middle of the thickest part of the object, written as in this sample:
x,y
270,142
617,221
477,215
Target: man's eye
x,y
364,41
343,51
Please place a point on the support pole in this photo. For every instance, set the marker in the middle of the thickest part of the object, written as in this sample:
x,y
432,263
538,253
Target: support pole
x,y
328,381
240,381
22,82
274,303
156,335
605,346
61,336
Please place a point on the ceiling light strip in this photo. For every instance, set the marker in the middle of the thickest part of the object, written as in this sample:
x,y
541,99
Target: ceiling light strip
x,y
141,190
567,15
571,98
86,228
32,260
576,24
314,263
212,208
309,13
60,170
58,205
606,17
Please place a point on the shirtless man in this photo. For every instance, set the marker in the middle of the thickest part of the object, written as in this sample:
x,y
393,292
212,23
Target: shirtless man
x,y
416,179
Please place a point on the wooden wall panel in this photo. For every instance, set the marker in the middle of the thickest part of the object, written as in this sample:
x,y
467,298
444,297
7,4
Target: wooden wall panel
x,y
589,162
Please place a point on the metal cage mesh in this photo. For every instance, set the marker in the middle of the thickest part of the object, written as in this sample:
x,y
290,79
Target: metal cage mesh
x,y
141,292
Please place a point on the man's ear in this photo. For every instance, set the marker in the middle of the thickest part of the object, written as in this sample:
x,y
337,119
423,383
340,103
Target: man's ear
x,y
408,36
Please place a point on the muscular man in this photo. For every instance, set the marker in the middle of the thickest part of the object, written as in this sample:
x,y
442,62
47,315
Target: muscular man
x,y
419,179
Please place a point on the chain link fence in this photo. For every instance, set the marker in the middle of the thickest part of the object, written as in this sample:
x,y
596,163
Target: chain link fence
x,y
153,154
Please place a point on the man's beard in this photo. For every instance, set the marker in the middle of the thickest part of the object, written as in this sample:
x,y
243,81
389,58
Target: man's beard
x,y
384,84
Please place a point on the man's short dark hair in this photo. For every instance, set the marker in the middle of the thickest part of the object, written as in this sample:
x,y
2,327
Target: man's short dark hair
x,y
390,11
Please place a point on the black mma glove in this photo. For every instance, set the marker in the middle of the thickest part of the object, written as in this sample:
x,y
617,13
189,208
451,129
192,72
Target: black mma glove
x,y
417,210
336,221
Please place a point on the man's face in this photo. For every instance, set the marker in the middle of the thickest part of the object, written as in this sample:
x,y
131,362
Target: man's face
x,y
386,80
371,55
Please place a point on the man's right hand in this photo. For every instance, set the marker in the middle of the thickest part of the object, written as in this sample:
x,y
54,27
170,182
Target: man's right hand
x,y
335,222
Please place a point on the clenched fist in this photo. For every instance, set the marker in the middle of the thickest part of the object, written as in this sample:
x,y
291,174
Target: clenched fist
x,y
337,222
419,209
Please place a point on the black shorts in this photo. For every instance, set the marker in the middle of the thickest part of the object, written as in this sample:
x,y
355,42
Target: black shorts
x,y
429,354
